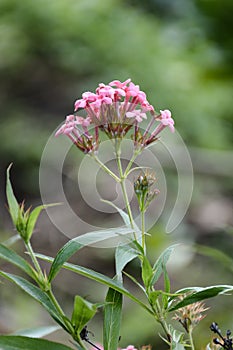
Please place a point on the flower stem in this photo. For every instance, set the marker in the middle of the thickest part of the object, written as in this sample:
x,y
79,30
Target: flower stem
x,y
191,339
122,183
105,168
143,230
135,154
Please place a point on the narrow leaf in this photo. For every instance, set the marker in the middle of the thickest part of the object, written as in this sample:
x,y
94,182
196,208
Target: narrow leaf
x,y
12,202
77,243
8,342
160,262
200,294
38,332
112,319
146,271
82,313
12,257
123,214
98,277
34,216
35,293
123,255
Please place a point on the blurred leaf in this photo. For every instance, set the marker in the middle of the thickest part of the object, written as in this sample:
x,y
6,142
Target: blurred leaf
x,y
11,200
35,293
37,332
112,319
77,243
12,257
199,294
216,254
98,277
11,240
161,262
8,342
82,313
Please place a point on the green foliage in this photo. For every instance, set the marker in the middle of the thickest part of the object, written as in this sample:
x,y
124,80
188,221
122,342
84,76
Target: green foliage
x,y
12,257
8,342
83,312
37,294
199,294
112,319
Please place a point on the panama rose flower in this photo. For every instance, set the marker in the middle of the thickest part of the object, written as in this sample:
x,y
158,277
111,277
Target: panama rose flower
x,y
114,109
129,347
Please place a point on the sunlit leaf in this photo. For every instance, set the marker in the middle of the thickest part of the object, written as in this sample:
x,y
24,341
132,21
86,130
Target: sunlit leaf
x,y
112,319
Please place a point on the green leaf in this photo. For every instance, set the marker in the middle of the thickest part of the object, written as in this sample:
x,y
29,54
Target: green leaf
x,y
123,214
82,313
37,332
112,319
33,218
98,277
35,293
166,287
161,262
12,202
8,342
77,243
200,294
12,257
146,271
123,255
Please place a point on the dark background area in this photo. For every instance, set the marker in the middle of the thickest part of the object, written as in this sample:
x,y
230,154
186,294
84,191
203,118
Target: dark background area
x,y
180,53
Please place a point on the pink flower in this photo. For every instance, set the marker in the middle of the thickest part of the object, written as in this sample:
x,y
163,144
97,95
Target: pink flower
x,y
116,109
119,84
166,119
137,114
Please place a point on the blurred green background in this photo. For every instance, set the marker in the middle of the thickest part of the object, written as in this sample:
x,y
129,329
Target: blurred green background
x,y
180,53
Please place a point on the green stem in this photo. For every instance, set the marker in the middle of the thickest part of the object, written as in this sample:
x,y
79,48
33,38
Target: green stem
x,y
122,183
135,154
105,168
191,339
160,318
60,311
143,230
33,257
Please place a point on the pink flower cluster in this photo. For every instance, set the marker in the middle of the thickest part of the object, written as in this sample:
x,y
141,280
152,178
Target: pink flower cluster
x,y
114,109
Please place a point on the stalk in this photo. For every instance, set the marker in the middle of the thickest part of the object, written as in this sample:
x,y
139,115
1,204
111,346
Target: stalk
x,y
105,168
190,333
122,183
